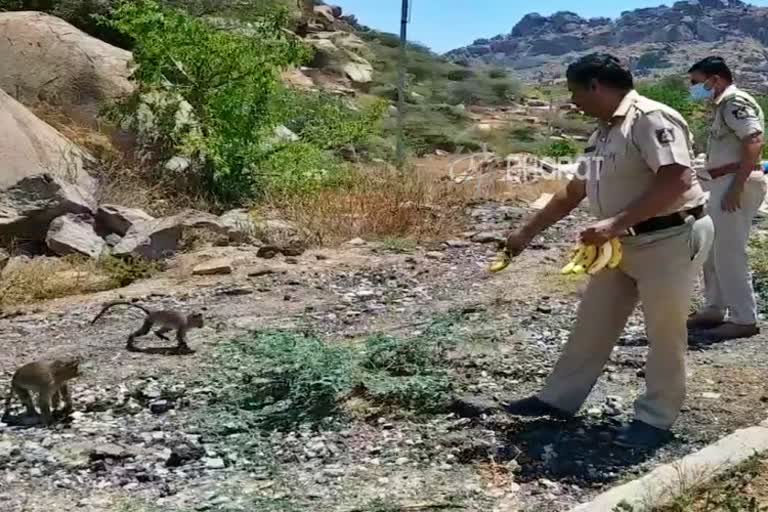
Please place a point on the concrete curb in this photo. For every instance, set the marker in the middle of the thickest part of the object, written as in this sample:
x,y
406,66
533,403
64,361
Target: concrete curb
x,y
666,482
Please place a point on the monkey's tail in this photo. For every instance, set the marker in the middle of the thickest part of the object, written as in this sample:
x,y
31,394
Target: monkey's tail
x,y
119,303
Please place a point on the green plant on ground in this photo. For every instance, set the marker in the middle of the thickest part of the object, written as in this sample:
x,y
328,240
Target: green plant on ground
x,y
275,379
124,271
560,149
758,258
726,493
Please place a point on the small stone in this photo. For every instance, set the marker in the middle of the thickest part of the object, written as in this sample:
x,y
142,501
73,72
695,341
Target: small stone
x,y
184,453
356,242
217,266
487,237
470,406
217,463
401,461
434,255
334,472
710,396
267,252
457,244
160,406
261,272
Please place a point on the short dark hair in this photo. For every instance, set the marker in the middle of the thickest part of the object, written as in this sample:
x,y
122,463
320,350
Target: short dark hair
x,y
603,67
712,66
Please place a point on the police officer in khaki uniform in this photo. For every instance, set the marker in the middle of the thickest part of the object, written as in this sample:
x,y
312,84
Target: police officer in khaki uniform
x,y
737,188
637,175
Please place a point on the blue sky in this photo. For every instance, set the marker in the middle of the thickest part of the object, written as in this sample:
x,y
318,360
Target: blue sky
x,y
447,24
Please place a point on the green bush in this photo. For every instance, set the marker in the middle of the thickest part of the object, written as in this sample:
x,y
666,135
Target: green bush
x,y
234,99
560,149
459,74
278,378
671,91
498,73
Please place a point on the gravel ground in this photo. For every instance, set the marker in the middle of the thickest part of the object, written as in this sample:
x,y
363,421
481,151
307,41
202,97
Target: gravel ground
x,y
132,438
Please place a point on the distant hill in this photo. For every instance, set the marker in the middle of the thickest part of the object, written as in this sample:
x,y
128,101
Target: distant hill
x,y
655,41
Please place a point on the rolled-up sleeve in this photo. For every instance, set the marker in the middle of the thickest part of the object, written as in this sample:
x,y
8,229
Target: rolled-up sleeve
x,y
662,140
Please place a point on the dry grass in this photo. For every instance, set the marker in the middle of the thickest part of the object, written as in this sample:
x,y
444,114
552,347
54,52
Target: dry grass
x,y
50,278
744,489
126,180
377,204
39,279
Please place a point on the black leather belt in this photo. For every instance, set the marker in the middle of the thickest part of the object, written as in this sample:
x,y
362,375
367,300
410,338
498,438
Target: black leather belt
x,y
666,221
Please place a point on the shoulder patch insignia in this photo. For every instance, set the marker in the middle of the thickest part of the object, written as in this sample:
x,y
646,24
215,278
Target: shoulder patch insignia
x,y
743,112
665,136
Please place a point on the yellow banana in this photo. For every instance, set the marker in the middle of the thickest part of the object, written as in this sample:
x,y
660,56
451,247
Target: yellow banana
x,y
501,262
577,255
590,254
603,257
618,253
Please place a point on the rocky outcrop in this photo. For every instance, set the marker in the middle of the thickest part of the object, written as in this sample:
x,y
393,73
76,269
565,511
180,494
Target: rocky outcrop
x,y
541,46
44,175
156,239
44,58
341,52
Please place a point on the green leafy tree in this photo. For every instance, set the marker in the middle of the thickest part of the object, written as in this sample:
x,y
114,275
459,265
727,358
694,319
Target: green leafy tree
x,y
227,79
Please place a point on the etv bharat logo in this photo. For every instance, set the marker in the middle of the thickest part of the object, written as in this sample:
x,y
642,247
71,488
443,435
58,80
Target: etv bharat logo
x,y
522,168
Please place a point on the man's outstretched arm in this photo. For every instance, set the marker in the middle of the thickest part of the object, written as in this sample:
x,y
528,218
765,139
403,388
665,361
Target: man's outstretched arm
x,y
562,203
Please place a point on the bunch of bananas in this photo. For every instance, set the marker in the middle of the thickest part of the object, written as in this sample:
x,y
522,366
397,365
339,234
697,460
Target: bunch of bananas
x,y
591,260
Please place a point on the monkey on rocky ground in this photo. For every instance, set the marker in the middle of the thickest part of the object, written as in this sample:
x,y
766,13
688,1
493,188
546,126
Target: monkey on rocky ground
x,y
47,378
167,320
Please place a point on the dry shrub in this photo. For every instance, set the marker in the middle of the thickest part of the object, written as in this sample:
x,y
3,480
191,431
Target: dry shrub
x,y
50,278
377,203
44,278
136,184
125,179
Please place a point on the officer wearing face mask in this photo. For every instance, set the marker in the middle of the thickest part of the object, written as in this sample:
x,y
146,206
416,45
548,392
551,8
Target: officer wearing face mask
x,y
737,188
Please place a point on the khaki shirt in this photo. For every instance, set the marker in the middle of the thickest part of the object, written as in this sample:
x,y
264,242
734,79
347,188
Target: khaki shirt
x,y
623,156
737,115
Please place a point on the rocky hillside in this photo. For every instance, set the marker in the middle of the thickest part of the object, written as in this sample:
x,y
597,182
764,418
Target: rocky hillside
x,y
655,40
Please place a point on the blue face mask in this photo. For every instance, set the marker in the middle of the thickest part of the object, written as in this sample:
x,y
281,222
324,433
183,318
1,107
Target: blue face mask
x,y
700,93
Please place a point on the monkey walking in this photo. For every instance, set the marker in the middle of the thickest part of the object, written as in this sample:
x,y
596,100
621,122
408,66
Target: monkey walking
x,y
47,378
167,320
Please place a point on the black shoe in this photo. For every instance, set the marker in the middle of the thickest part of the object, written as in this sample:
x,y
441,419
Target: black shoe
x,y
641,435
532,406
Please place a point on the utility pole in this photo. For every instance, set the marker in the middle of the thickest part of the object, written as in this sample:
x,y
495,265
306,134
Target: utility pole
x,y
401,87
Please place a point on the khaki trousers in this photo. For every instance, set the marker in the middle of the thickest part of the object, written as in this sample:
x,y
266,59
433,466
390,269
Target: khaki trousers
x,y
658,270
727,279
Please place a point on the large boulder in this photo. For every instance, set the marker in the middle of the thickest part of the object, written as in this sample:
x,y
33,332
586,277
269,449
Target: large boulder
x,y
74,234
44,175
43,57
151,240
